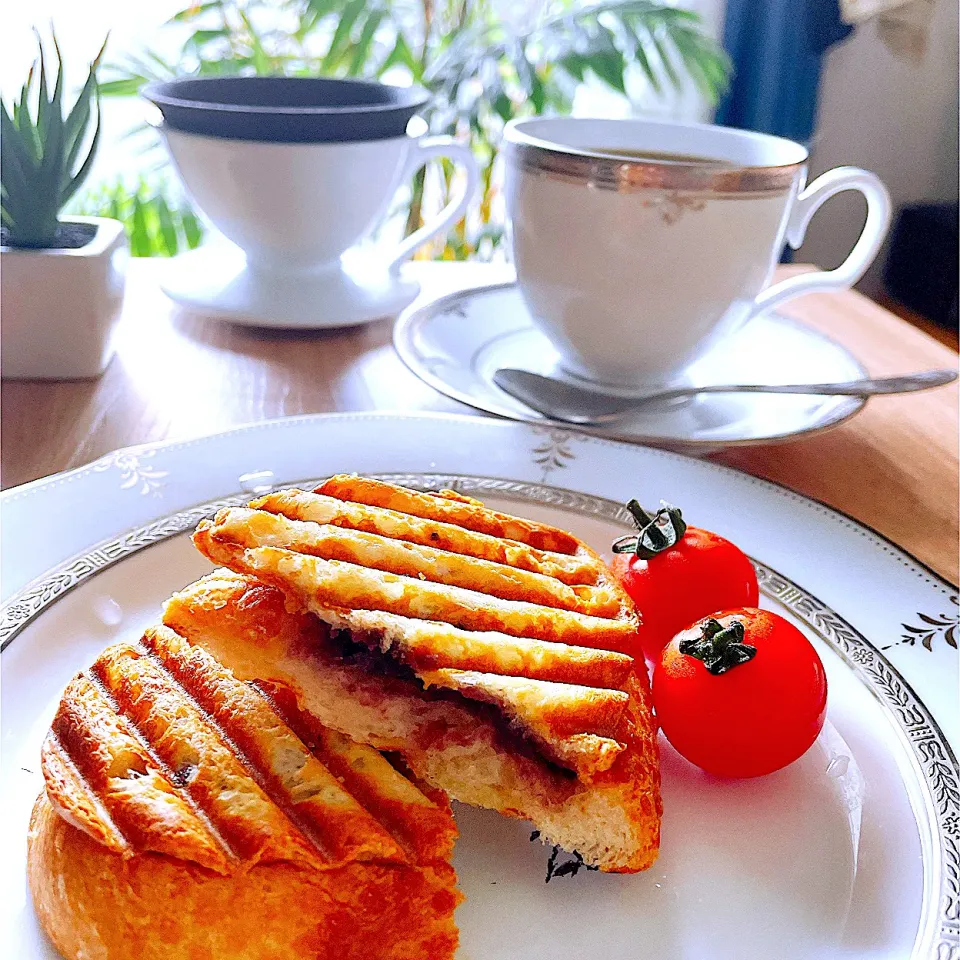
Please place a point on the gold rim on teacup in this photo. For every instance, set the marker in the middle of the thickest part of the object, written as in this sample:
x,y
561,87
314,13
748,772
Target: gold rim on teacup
x,y
609,171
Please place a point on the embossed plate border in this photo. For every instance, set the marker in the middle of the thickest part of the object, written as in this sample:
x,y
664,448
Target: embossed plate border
x,y
928,747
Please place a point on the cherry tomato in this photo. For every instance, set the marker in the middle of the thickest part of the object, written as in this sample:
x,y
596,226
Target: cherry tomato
x,y
741,693
675,585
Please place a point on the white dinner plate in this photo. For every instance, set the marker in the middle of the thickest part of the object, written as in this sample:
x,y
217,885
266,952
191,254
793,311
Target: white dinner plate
x,y
458,342
851,852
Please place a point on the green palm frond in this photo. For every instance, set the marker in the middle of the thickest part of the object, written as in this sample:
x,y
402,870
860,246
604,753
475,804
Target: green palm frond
x,y
481,70
159,223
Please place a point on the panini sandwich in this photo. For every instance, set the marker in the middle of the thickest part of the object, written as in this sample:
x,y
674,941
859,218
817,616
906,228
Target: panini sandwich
x,y
484,648
187,814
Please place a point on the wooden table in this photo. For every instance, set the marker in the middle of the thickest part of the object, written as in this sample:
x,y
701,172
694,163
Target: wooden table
x,y
176,375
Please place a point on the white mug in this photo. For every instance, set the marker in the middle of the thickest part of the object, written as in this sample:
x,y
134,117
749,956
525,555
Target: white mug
x,y
298,207
634,264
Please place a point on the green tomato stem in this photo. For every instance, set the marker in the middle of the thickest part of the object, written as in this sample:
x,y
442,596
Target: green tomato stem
x,y
720,648
655,533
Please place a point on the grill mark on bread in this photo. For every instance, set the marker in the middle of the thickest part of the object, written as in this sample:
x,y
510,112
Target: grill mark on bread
x,y
464,512
160,748
300,786
148,811
542,650
567,722
257,528
86,810
414,821
253,825
333,584
462,745
572,569
425,646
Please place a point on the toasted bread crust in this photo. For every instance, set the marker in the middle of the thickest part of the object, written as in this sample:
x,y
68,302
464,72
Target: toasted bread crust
x,y
161,749
185,811
449,507
611,817
543,650
320,508
96,905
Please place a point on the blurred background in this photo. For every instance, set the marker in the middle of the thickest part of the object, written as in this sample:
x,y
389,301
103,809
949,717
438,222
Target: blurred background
x,y
871,83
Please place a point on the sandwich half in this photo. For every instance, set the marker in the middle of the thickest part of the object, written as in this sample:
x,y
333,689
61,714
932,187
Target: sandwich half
x,y
187,814
485,648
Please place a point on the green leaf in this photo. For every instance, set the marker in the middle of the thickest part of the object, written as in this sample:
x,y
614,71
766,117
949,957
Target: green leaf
x,y
308,20
118,203
663,51
224,68
261,61
123,87
168,230
401,55
538,93
642,26
51,173
574,64
361,51
140,240
77,179
341,36
192,228
126,77
15,150
194,11
709,67
25,124
649,72
670,15
17,197
58,87
461,51
686,48
321,8
79,116
43,98
200,38
503,106
529,80
609,66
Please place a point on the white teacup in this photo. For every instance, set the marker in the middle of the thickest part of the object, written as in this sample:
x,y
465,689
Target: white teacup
x,y
294,207
637,244
298,171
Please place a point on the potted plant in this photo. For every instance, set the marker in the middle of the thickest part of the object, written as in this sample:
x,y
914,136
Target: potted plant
x,y
62,277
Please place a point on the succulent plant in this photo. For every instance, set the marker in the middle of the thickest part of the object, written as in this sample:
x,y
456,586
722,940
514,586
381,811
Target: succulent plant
x,y
41,166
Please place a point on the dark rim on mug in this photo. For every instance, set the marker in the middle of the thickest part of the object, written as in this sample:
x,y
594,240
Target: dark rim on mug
x,y
286,109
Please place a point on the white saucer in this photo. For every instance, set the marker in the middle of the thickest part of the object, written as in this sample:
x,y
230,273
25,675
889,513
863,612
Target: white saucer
x,y
455,344
216,280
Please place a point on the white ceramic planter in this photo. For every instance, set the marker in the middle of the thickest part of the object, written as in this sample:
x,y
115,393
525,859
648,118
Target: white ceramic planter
x,y
58,307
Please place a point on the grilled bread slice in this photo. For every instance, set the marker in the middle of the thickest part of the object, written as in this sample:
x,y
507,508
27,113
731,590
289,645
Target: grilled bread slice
x,y
481,615
187,814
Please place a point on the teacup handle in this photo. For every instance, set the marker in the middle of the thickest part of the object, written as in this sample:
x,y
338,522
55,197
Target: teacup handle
x,y
864,250
423,150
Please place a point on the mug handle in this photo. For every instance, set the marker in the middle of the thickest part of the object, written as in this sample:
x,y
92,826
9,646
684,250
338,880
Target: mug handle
x,y
423,150
864,250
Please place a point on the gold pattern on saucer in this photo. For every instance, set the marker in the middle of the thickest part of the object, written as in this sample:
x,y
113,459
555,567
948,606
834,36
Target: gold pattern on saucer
x,y
608,172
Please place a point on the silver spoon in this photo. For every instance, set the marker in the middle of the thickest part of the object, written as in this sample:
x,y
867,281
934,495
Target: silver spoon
x,y
569,403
